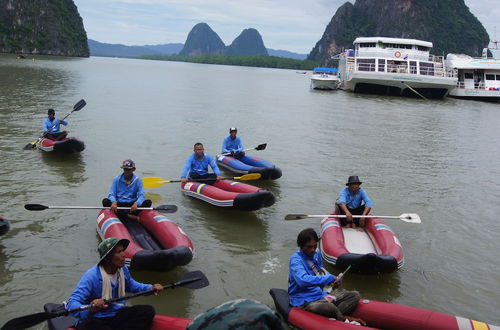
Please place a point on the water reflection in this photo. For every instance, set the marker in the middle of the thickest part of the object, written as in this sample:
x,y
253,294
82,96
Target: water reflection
x,y
70,167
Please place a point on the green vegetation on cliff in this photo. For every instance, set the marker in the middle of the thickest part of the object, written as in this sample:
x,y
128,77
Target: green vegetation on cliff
x,y
46,27
253,61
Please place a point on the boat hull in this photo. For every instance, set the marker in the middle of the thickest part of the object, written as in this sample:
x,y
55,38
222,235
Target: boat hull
x,y
377,315
160,322
156,243
476,94
246,165
320,83
385,254
67,145
230,194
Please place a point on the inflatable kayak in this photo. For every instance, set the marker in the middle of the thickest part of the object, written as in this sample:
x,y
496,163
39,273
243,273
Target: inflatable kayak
x,y
156,243
377,315
66,145
371,249
4,226
245,165
230,194
160,322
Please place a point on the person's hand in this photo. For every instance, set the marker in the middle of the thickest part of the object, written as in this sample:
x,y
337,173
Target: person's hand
x,y
348,217
60,121
337,282
133,208
157,288
219,177
97,305
184,180
114,207
352,318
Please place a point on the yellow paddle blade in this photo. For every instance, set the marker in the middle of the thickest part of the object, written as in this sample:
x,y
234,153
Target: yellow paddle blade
x,y
153,182
248,177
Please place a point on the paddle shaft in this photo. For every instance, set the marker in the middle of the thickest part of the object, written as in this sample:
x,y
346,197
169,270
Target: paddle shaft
x,y
259,147
39,207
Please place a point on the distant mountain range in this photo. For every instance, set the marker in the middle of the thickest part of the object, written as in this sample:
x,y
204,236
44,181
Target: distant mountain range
x,y
117,50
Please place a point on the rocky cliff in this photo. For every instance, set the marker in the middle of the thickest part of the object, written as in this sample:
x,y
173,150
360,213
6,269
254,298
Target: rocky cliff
x,y
248,43
202,40
44,27
448,24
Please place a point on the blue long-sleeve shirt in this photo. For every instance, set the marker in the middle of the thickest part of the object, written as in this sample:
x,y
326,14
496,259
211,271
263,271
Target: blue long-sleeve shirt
x,y
121,191
200,167
53,126
354,201
90,288
303,284
229,145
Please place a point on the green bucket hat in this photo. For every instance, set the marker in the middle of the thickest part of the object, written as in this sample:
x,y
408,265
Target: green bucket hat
x,y
106,246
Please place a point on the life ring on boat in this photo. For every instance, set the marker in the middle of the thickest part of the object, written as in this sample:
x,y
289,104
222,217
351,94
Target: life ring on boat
x,y
397,54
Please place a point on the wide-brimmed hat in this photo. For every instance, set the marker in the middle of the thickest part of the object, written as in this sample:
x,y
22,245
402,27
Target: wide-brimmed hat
x,y
106,246
128,164
353,179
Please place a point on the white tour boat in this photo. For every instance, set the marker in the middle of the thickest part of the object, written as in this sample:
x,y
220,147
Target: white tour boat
x,y
325,79
478,78
394,66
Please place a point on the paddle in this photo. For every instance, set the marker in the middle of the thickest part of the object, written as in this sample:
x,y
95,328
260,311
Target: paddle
x,y
40,207
157,182
407,217
77,107
259,147
191,280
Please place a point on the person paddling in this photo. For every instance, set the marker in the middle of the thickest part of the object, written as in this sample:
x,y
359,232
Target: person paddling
x,y
196,166
52,126
353,201
232,144
127,190
110,278
307,280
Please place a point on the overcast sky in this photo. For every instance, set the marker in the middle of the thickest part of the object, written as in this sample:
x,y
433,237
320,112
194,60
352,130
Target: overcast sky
x,y
294,25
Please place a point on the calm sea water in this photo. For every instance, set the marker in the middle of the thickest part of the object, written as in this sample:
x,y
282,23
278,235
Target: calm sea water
x,y
440,159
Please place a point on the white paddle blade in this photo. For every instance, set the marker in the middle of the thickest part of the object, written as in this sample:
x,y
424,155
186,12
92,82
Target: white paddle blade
x,y
410,217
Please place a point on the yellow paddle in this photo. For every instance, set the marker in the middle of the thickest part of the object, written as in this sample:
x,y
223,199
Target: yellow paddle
x,y
157,182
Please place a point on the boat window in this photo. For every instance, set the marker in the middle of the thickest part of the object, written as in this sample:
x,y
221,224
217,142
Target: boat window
x,y
422,48
468,75
490,77
381,65
399,46
413,67
368,45
498,77
366,64
426,68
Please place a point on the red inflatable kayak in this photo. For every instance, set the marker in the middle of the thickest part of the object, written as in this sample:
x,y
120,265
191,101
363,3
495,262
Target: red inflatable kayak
x,y
230,194
377,315
156,243
371,249
67,145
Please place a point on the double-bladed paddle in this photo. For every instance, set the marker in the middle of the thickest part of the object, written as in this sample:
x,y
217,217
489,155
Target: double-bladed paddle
x,y
191,280
157,182
160,208
406,217
259,147
77,107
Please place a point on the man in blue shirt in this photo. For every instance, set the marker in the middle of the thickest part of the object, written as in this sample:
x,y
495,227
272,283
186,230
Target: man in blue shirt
x,y
52,126
353,201
109,279
232,144
196,166
306,280
127,190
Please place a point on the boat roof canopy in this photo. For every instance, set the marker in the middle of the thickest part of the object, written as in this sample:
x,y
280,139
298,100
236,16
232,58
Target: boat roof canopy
x,y
326,69
393,41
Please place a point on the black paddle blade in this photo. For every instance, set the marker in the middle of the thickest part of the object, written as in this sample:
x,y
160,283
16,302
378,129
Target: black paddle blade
x,y
30,145
27,321
193,280
166,208
261,146
35,207
79,105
